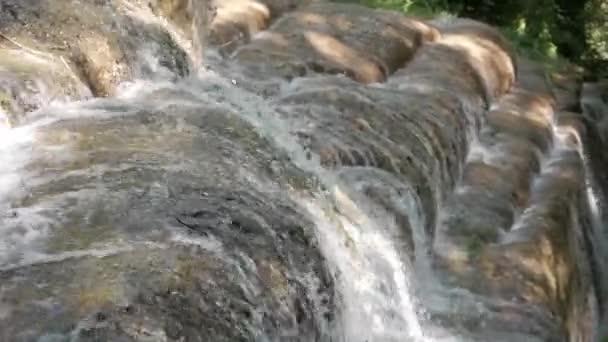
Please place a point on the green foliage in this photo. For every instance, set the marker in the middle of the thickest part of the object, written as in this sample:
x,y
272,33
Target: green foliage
x,y
544,30
595,57
419,8
540,48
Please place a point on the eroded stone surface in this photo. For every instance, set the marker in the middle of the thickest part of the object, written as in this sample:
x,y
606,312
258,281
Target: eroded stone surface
x,y
378,151
470,58
337,39
237,21
181,232
99,40
29,81
516,225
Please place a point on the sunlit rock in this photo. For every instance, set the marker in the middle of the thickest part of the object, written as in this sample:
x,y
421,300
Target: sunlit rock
x,y
470,58
514,232
178,234
337,39
327,173
102,44
30,80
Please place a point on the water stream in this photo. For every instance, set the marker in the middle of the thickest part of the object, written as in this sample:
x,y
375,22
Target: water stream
x,y
228,207
360,241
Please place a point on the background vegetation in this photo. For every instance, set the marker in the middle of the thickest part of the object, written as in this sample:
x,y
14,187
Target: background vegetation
x,y
547,30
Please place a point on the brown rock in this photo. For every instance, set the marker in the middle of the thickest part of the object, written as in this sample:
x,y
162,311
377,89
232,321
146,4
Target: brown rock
x,y
179,12
102,64
99,39
541,251
227,23
501,181
337,38
537,264
471,59
236,21
30,80
496,60
521,125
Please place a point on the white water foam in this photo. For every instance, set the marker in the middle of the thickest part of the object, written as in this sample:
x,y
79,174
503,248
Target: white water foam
x,y
25,229
15,147
13,155
372,277
356,250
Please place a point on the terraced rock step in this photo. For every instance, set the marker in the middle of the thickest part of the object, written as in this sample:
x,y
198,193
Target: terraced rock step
x,y
514,231
337,39
86,44
279,170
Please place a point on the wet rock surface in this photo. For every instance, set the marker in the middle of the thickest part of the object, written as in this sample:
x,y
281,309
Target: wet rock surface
x,y
196,244
330,173
99,40
517,223
338,39
237,21
30,81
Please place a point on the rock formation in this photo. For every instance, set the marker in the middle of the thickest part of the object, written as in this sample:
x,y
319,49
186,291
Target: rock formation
x,y
280,170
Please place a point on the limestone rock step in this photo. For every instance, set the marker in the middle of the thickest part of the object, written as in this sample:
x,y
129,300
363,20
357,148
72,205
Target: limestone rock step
x,y
236,21
496,180
30,80
338,39
534,260
515,232
347,124
98,44
166,236
472,60
388,113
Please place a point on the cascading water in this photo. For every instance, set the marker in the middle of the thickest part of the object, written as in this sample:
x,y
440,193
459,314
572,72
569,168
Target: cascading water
x,y
360,241
246,203
594,111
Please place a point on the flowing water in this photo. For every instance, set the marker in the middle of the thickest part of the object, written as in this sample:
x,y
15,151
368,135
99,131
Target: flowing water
x,y
231,207
361,241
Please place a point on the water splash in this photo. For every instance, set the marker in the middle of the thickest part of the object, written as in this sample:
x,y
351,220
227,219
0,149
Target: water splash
x,y
14,153
360,242
15,146
359,257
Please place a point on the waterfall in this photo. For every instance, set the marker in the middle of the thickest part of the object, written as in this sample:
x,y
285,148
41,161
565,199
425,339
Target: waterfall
x,y
324,172
361,242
